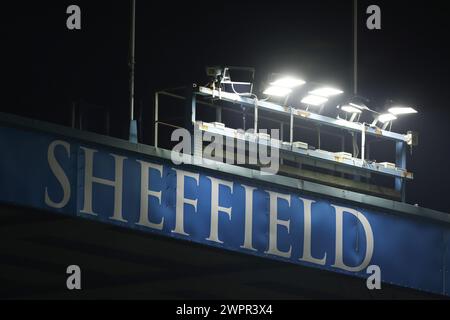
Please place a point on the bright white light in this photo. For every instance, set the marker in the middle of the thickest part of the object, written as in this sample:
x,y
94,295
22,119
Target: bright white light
x,y
350,109
401,110
313,100
326,92
288,82
277,91
386,117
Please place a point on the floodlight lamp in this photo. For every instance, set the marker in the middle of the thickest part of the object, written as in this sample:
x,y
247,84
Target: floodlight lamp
x,y
313,100
288,82
386,117
401,110
276,91
326,92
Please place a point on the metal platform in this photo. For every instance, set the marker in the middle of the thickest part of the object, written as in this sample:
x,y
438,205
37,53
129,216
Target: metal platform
x,y
361,167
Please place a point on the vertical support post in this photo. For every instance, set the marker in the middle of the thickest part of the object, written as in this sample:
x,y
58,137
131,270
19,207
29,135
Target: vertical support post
x,y
291,127
282,131
355,47
191,119
156,119
319,142
244,120
255,125
281,138
363,142
193,109
343,148
400,161
140,121
133,124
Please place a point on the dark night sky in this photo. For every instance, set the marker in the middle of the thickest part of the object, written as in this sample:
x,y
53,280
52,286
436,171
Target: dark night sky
x,y
45,66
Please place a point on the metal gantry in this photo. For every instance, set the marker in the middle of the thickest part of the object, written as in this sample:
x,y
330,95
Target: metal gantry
x,y
313,158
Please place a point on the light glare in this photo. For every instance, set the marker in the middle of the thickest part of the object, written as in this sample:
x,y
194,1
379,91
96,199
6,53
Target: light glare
x,y
386,117
402,110
314,100
277,91
288,82
326,92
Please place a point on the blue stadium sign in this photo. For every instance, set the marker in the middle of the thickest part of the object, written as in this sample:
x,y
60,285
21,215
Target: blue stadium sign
x,y
67,175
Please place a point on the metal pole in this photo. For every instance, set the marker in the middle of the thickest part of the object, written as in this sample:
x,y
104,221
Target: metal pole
x,y
319,142
363,142
255,125
400,161
355,47
133,125
156,119
291,127
355,59
132,53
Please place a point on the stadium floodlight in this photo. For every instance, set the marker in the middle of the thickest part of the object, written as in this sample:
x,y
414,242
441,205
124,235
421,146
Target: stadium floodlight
x,y
288,82
326,92
314,100
276,91
354,109
401,110
386,117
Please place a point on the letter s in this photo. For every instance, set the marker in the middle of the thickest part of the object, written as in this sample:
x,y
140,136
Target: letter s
x,y
59,174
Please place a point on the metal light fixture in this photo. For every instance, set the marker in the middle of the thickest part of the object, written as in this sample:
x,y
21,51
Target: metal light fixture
x,y
386,117
276,91
391,115
283,87
354,109
401,110
288,82
314,100
326,92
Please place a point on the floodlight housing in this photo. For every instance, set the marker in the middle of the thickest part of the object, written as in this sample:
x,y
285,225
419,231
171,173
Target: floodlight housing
x,y
401,110
276,91
314,100
288,82
386,117
326,92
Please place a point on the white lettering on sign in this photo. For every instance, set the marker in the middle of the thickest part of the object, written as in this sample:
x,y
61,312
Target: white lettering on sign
x,y
60,175
220,196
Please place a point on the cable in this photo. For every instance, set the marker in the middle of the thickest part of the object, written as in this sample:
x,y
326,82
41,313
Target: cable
x,y
243,94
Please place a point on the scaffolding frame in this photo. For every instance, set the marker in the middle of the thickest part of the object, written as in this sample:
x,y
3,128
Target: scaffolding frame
x,y
359,167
